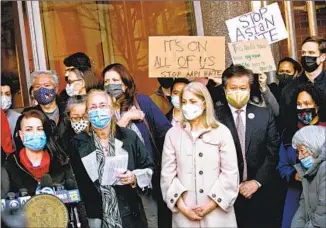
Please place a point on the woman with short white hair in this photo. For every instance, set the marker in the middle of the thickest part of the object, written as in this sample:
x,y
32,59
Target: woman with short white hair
x,y
199,177
310,143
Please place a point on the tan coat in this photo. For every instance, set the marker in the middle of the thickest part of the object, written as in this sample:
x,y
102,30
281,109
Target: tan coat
x,y
161,101
203,168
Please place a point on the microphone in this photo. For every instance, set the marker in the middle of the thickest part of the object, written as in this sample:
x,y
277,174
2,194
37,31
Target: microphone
x,y
74,195
46,186
15,201
12,203
23,196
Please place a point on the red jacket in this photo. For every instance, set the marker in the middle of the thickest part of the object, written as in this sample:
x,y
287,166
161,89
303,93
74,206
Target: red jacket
x,y
6,140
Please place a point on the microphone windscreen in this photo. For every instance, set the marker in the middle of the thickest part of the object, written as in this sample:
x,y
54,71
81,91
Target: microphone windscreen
x,y
11,195
46,181
58,186
23,192
70,184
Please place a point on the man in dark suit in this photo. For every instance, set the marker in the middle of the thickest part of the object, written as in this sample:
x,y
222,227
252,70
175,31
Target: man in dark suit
x,y
257,143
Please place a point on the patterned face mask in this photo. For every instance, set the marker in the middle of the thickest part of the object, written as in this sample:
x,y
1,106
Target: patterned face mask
x,y
306,115
79,126
44,96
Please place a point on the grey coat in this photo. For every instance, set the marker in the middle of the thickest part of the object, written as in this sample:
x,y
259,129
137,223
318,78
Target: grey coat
x,y
312,209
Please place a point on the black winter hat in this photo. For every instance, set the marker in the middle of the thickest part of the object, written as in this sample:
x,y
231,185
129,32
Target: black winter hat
x,y
78,60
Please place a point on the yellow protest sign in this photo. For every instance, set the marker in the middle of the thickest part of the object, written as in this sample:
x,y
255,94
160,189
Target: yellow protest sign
x,y
255,55
186,56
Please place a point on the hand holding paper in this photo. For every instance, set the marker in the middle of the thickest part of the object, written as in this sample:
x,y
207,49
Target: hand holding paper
x,y
262,79
127,178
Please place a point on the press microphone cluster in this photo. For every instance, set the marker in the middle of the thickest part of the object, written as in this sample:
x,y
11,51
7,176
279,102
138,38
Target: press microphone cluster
x,y
11,208
68,194
15,201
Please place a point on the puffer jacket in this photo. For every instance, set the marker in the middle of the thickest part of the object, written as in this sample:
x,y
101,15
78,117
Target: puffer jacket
x,y
312,210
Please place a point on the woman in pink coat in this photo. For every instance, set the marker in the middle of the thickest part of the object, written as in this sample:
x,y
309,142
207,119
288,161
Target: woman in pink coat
x,y
199,178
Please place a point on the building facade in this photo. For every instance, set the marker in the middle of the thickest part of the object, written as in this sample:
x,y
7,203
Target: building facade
x,y
40,34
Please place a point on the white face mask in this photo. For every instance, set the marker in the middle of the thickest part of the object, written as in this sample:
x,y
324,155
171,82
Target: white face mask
x,y
79,126
70,90
191,111
175,101
5,102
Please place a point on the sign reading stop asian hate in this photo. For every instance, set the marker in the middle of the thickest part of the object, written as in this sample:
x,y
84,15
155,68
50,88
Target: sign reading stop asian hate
x,y
186,56
264,23
255,55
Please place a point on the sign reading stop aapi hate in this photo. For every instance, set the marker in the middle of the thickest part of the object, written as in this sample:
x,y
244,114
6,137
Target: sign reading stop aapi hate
x,y
264,23
255,55
186,56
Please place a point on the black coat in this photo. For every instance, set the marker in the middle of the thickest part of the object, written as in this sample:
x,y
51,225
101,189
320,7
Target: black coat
x,y
262,147
128,199
19,177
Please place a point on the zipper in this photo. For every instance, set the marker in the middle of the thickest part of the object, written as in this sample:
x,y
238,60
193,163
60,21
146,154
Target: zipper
x,y
24,170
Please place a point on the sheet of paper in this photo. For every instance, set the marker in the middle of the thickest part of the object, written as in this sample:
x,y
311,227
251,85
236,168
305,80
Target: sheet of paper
x,y
91,166
144,177
113,166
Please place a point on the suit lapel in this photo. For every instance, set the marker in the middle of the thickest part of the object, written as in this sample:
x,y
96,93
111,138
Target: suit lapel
x,y
227,120
250,117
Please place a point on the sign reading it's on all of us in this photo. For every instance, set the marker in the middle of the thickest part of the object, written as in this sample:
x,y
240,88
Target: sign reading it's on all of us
x,y
264,23
186,56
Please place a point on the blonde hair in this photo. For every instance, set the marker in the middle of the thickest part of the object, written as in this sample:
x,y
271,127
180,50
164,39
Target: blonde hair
x,y
104,93
200,91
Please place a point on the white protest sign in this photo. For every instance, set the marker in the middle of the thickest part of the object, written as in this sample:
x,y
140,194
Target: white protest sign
x,y
264,23
186,56
255,55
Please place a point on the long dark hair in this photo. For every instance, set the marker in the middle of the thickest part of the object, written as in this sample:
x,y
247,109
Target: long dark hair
x,y
52,147
127,99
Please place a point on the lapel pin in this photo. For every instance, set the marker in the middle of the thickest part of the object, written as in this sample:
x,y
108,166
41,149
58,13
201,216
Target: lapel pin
x,y
251,115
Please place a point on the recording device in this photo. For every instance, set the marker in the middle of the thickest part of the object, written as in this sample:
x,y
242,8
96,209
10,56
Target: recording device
x,y
15,201
69,196
11,208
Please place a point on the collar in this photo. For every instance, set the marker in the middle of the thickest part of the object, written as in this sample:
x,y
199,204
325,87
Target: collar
x,y
233,109
160,92
319,78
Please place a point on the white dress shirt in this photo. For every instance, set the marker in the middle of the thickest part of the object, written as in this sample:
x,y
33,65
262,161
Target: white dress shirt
x,y
242,114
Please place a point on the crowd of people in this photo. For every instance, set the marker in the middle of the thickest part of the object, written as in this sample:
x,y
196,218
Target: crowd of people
x,y
230,151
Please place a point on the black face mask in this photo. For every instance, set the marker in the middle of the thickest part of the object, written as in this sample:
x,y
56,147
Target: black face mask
x,y
284,79
165,82
309,63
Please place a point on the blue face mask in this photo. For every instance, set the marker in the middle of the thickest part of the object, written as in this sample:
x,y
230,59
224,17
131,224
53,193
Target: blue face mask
x,y
35,141
307,162
99,118
175,100
44,96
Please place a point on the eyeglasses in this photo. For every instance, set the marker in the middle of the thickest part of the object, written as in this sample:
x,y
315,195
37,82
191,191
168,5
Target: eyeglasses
x,y
101,106
67,70
73,81
78,118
